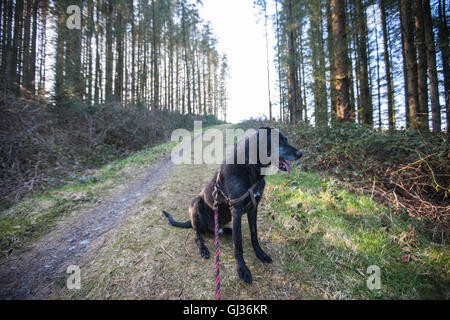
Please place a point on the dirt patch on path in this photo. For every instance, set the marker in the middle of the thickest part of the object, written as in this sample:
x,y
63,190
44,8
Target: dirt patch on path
x,y
31,274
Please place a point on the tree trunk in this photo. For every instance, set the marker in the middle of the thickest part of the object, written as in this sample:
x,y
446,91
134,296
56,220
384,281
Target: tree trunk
x,y
186,55
292,80
432,69
73,71
387,64
421,66
97,81
42,46
16,51
155,55
410,63
317,52
7,49
341,61
59,57
366,107
118,87
279,62
330,45
267,63
445,54
109,52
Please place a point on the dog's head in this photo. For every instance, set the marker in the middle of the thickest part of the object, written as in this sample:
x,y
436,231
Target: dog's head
x,y
286,151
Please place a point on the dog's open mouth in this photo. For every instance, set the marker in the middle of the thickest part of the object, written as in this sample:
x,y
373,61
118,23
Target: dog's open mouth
x,y
284,166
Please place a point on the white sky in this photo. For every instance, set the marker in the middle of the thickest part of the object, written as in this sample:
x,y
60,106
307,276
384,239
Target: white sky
x,y
242,38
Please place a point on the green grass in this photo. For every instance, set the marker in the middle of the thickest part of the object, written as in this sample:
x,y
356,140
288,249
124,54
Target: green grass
x,y
334,236
39,212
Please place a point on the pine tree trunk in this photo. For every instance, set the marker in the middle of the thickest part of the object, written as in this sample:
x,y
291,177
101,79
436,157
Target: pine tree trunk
x,y
421,66
432,69
42,45
330,47
410,63
341,61
292,80
7,48
109,52
26,46
59,58
16,47
97,81
118,87
317,52
73,70
186,56
155,55
133,52
445,54
366,107
387,64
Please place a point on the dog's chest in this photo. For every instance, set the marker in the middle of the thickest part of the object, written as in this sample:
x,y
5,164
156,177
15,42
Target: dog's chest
x,y
258,192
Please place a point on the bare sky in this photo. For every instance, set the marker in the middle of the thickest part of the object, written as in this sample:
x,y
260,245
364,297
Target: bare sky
x,y
242,38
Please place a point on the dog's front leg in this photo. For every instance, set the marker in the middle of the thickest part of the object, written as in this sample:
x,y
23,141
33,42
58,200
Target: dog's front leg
x,y
260,254
242,270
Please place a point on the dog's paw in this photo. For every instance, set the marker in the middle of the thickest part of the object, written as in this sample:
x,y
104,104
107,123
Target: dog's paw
x,y
204,252
245,274
263,257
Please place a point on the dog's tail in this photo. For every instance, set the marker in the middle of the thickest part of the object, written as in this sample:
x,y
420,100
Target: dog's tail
x,y
172,221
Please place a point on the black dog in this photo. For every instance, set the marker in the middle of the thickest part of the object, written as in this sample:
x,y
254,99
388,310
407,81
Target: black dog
x,y
235,181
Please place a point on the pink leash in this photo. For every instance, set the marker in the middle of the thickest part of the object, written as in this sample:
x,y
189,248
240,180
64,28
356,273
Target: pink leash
x,y
216,242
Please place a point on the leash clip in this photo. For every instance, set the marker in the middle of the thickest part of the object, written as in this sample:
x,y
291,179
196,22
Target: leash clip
x,y
214,195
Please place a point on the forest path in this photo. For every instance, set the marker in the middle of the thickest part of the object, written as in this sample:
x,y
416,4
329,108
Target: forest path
x,y
146,258
32,273
322,239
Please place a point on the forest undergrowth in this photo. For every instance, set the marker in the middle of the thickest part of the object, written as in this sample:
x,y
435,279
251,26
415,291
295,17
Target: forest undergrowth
x,y
404,169
43,145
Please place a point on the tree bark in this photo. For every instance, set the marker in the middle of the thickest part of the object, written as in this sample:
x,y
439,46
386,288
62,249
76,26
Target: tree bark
x,y
109,52
387,64
341,61
118,87
292,80
421,66
330,45
410,63
366,108
16,47
432,69
318,65
445,54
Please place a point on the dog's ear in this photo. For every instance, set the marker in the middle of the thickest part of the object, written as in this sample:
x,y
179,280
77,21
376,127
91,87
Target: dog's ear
x,y
266,128
269,137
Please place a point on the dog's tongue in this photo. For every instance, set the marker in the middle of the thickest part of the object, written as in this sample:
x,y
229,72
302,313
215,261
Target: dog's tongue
x,y
288,167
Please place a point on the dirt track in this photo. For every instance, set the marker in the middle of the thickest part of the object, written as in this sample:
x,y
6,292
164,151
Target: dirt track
x,y
31,274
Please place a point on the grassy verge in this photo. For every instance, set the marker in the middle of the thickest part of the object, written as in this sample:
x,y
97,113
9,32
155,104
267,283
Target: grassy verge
x,y
38,213
334,236
322,239
404,168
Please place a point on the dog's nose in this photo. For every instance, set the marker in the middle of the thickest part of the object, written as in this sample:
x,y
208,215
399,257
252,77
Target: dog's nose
x,y
299,154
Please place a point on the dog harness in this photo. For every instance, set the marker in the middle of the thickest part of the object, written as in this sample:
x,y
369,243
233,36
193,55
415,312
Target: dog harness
x,y
231,202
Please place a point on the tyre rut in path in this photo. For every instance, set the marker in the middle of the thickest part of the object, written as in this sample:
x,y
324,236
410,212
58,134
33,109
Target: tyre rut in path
x,y
32,274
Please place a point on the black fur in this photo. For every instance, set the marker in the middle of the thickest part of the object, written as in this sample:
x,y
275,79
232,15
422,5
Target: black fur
x,y
235,179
